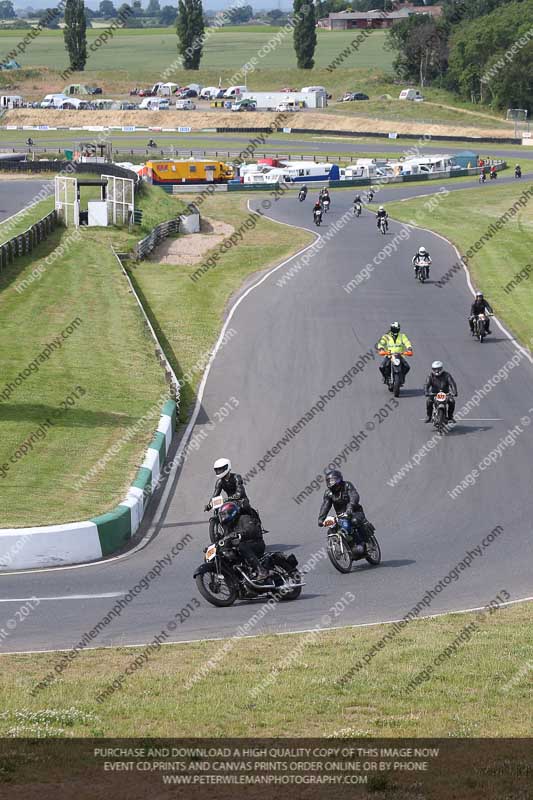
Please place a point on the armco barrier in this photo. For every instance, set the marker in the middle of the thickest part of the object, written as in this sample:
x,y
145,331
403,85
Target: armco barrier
x,y
155,237
376,135
24,243
90,540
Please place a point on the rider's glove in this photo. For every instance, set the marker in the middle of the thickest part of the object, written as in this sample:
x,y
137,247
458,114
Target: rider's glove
x,y
208,507
320,524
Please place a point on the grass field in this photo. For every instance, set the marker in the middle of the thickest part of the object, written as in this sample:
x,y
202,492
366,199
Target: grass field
x,y
108,354
462,217
480,690
142,56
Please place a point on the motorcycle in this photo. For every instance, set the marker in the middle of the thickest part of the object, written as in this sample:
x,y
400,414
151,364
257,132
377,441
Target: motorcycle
x,y
422,269
317,216
357,209
518,172
493,175
341,549
440,412
396,378
480,326
302,194
482,178
370,196
325,204
224,577
383,225
151,143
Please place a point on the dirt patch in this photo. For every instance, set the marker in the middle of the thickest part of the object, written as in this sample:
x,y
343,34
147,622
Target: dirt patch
x,y
189,249
197,120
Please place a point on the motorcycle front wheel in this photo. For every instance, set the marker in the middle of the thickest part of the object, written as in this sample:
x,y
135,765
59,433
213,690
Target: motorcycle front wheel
x,y
340,554
219,589
396,385
440,422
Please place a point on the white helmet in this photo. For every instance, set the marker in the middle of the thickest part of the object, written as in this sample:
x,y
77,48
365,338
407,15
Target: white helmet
x,y
381,208
422,251
437,367
222,466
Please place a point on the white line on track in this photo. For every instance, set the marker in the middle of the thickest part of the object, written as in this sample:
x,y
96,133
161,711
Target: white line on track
x,y
274,633
63,597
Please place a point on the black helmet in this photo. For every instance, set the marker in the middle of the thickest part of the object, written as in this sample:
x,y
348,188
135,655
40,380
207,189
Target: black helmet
x,y
334,480
228,512
395,327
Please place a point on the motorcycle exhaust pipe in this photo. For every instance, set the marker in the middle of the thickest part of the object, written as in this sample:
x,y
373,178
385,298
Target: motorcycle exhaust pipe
x,y
268,586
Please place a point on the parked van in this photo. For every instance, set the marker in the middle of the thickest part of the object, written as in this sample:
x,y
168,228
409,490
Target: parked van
x,y
191,170
288,106
209,92
11,101
53,100
410,94
154,104
185,105
73,103
313,89
234,91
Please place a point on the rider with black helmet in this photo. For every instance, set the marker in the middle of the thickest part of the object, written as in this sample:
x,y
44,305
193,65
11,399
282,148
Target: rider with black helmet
x,y
440,381
344,498
247,529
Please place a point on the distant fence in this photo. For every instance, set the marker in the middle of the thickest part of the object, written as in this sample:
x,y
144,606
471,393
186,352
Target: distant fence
x,y
24,243
69,168
155,237
377,135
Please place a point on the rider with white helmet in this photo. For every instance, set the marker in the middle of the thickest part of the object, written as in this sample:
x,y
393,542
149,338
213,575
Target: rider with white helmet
x,y
439,380
421,258
382,214
231,484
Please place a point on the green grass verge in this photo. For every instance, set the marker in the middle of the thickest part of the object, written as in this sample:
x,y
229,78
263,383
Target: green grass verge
x,y
463,217
109,354
481,690
188,315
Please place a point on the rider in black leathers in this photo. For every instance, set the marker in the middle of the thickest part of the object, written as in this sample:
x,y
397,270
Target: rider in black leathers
x,y
231,483
439,381
344,498
480,306
251,545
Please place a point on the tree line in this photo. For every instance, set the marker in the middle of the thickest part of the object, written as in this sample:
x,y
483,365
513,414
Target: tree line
x,y
482,50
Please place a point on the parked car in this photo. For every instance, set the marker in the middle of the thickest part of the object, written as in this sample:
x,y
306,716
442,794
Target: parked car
x,y
128,106
244,105
145,93
290,106
94,89
185,105
354,96
289,90
184,94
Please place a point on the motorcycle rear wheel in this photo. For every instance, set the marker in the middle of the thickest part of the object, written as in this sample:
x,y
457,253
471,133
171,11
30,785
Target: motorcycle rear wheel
x,y
209,586
284,595
373,551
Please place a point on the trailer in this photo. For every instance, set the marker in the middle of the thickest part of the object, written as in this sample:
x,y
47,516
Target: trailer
x,y
291,172
192,170
299,99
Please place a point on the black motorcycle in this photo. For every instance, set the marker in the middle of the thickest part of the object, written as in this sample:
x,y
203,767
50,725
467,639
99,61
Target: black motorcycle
x,y
493,175
383,224
341,543
518,172
302,194
440,412
480,326
357,209
395,377
370,196
225,577
325,204
317,216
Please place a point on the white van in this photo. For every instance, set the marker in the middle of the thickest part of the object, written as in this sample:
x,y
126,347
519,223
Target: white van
x,y
234,91
53,100
314,89
11,101
185,105
209,92
410,94
154,104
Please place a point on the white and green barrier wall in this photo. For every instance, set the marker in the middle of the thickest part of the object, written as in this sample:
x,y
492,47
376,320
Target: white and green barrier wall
x,y
79,542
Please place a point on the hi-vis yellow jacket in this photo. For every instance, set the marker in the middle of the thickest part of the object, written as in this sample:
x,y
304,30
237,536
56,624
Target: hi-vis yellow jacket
x,y
401,344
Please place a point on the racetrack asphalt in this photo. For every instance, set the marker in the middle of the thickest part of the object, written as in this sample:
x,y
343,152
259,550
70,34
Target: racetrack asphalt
x,y
294,342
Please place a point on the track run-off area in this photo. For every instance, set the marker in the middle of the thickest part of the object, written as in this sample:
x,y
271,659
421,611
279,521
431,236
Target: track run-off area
x,y
303,347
